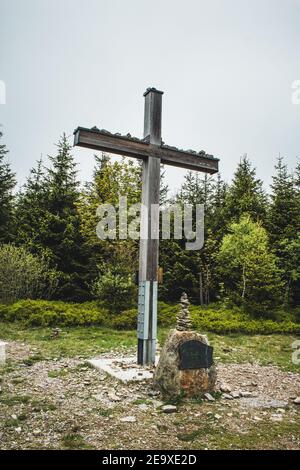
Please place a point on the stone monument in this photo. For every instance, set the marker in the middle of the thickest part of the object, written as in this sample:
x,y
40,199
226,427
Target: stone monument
x,y
185,365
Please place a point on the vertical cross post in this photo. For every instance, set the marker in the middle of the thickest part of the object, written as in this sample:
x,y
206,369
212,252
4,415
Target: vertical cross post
x,y
149,240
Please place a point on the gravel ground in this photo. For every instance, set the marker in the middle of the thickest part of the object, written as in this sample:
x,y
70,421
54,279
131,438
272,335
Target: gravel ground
x,y
64,403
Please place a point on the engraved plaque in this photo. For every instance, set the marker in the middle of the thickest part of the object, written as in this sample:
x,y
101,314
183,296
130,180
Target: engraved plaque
x,y
195,355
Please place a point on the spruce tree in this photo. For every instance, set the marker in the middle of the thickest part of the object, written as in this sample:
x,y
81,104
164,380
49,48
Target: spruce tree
x,y
164,188
245,194
183,269
196,190
7,184
283,218
284,228
61,226
31,207
217,222
296,178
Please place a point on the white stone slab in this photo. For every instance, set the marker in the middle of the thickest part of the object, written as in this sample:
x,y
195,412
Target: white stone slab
x,y
123,368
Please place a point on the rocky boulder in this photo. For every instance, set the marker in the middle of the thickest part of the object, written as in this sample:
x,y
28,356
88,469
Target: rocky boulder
x,y
174,381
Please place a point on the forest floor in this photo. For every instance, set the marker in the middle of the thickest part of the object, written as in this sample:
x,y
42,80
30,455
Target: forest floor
x,y
51,398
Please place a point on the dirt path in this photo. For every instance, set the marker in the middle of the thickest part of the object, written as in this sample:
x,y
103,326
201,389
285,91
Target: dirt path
x,y
64,403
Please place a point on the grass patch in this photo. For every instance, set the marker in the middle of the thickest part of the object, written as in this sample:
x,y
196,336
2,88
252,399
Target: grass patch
x,y
22,417
193,435
74,441
57,373
88,341
9,367
30,361
14,399
18,380
176,401
15,422
105,412
142,401
84,365
40,405
11,423
215,436
263,349
73,341
266,436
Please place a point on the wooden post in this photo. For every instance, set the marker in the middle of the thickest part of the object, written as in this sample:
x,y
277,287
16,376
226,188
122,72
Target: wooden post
x,y
153,153
149,241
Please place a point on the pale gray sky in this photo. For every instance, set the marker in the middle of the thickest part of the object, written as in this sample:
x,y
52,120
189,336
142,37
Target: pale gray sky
x,y
226,67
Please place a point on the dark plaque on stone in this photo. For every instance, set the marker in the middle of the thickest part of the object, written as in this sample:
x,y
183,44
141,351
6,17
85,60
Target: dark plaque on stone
x,y
195,355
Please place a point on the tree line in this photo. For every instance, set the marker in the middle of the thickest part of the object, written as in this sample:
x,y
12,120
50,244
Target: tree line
x,y
251,254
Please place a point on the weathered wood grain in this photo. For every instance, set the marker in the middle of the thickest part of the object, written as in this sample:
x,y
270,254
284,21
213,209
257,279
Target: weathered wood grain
x,y
122,145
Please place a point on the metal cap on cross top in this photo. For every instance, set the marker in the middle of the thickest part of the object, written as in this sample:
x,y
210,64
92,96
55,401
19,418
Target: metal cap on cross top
x,y
152,151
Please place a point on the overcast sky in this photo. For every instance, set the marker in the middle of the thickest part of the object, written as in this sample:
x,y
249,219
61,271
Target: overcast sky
x,y
226,67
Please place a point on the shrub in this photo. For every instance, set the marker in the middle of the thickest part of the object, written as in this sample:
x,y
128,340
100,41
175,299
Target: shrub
x,y
235,321
166,315
46,313
23,275
223,321
126,320
219,320
116,291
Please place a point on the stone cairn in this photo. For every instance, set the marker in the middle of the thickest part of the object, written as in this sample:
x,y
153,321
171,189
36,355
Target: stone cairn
x,y
170,378
184,322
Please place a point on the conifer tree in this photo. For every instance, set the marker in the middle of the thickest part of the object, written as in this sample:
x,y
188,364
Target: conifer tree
x,y
245,194
184,269
164,188
62,238
31,207
296,178
196,190
283,216
284,228
7,184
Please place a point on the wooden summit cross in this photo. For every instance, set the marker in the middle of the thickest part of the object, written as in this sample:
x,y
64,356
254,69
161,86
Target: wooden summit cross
x,y
153,152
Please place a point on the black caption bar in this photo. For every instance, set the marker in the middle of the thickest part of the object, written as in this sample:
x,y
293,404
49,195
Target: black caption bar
x,y
132,459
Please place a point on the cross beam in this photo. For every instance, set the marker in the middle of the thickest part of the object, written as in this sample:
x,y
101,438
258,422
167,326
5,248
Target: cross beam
x,y
132,147
153,152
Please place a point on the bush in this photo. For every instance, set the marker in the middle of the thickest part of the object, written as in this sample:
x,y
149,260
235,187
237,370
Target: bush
x,y
23,275
116,291
285,315
46,313
166,315
219,320
126,320
235,321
